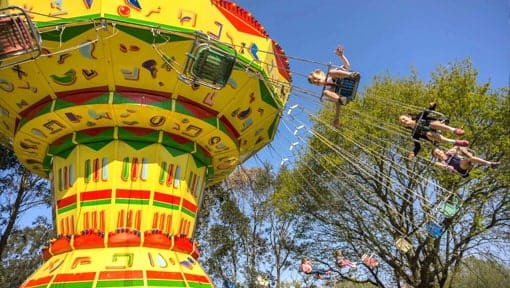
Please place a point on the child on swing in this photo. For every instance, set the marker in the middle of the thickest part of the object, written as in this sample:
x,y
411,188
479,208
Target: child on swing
x,y
452,160
329,81
306,267
426,127
342,262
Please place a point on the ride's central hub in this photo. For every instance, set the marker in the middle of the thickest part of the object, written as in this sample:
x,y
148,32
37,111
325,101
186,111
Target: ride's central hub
x,y
131,108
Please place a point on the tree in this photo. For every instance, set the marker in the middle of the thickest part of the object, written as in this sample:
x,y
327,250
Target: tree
x,y
482,273
23,255
250,241
21,191
362,194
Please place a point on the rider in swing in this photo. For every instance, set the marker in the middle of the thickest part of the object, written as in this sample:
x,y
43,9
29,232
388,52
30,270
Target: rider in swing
x,y
428,128
330,81
459,160
306,267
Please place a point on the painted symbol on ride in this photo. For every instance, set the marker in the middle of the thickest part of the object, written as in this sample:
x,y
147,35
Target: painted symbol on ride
x,y
54,126
20,72
123,10
98,116
229,36
80,261
151,66
28,146
124,49
54,265
242,47
87,50
247,124
270,67
186,264
73,117
157,121
192,131
217,35
38,133
130,123
232,83
126,257
244,114
187,16
131,74
59,6
135,4
209,98
127,113
89,74
22,103
253,51
27,86
215,141
88,3
153,11
62,58
67,79
227,163
6,85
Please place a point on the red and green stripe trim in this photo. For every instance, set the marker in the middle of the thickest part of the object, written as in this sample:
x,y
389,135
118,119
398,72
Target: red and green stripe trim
x,y
74,280
38,283
66,204
166,201
129,196
94,198
189,208
120,279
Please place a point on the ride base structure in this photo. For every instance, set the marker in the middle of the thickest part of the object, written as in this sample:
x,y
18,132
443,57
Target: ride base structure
x,y
131,108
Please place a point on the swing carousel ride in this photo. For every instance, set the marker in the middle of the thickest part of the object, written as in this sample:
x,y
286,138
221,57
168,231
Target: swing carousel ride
x,y
131,108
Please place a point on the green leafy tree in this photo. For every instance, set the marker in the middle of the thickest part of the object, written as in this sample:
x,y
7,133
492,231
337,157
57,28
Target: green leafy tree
x,y
362,194
477,273
23,255
250,242
21,192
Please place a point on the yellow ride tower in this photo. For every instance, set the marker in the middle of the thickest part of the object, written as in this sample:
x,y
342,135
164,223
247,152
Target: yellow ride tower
x,y
131,108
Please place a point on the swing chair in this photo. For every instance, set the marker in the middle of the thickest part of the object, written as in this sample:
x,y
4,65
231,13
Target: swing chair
x,y
369,260
344,87
320,274
208,64
450,208
463,153
436,115
18,37
435,230
403,245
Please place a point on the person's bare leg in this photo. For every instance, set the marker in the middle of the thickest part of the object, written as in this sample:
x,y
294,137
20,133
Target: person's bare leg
x,y
434,137
438,125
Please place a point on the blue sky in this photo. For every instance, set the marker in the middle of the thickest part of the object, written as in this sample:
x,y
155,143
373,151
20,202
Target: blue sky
x,y
386,37
391,36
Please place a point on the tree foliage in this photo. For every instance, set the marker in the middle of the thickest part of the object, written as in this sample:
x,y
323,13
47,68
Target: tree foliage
x,y
350,188
362,194
249,242
21,192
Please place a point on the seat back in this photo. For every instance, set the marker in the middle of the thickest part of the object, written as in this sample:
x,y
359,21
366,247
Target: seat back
x,y
347,87
18,37
208,64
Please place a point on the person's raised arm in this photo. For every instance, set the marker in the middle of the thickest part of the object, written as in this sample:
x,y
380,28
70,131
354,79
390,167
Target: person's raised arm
x,y
340,53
